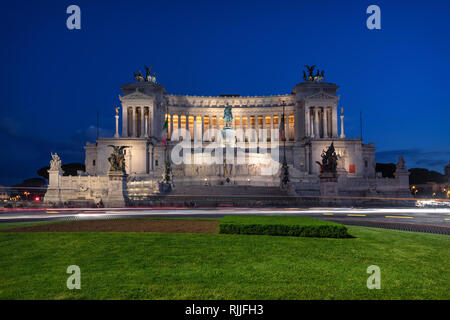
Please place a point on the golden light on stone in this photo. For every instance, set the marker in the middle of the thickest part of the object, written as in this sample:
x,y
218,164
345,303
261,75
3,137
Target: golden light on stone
x,y
311,123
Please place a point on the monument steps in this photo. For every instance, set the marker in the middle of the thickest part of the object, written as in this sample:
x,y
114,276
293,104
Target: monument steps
x,y
228,191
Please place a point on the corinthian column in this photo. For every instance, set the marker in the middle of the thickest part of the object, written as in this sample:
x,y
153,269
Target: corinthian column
x,y
209,127
307,122
124,121
202,127
325,123
195,135
316,122
146,124
342,124
142,122
117,126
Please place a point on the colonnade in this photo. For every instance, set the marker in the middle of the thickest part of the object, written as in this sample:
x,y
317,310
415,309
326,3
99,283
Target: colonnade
x,y
199,126
320,122
136,122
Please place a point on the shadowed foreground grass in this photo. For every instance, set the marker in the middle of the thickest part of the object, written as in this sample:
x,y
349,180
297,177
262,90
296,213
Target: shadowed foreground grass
x,y
216,266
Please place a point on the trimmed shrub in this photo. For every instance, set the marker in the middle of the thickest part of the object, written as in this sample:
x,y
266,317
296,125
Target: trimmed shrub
x,y
282,226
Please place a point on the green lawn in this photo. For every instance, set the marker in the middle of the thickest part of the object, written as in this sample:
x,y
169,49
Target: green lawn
x,y
219,266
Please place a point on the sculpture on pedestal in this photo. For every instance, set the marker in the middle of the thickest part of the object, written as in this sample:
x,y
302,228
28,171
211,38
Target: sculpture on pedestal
x,y
117,159
148,76
311,76
329,160
228,116
139,77
328,173
55,163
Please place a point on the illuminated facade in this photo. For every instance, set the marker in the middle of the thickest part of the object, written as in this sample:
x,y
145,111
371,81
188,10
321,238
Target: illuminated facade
x,y
312,122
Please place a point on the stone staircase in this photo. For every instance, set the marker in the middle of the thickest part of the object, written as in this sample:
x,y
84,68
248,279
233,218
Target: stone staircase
x,y
227,191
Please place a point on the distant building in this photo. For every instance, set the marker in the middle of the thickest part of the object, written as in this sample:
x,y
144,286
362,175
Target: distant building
x,y
4,194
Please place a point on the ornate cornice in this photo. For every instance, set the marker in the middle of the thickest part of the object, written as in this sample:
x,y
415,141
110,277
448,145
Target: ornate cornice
x,y
235,102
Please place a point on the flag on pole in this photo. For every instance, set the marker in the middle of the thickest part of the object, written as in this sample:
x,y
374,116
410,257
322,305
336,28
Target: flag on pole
x,y
281,128
164,132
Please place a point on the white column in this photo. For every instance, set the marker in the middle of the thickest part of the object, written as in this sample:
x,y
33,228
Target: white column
x,y
203,126
241,126
316,122
146,124
279,124
334,122
210,127
133,121
325,122
255,129
308,121
124,120
271,127
342,124
149,123
117,127
136,119
142,122
195,134
264,123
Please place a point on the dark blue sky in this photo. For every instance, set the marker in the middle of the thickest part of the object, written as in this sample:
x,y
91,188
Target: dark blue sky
x,y
53,80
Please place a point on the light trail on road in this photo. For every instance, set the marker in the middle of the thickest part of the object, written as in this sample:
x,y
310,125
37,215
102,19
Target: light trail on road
x,y
418,218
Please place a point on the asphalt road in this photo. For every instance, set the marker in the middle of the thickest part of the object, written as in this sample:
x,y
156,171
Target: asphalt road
x,y
433,220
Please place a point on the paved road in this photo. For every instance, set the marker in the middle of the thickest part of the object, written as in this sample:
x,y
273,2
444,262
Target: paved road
x,y
434,220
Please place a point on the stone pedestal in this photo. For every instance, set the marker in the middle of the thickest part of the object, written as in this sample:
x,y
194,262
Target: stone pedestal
x,y
53,194
328,184
402,177
117,187
229,137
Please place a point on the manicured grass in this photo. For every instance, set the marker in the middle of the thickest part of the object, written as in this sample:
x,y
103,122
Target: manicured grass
x,y
218,266
282,226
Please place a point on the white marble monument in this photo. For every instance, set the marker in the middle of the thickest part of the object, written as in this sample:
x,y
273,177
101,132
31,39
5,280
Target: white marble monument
x,y
149,113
